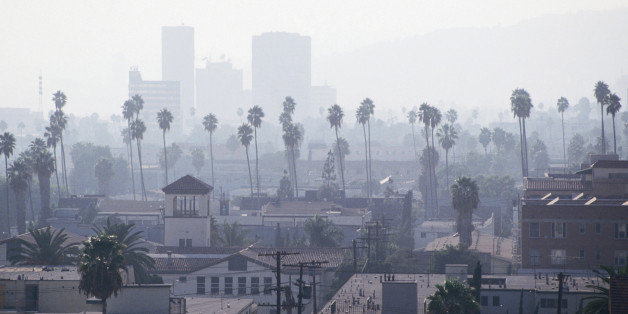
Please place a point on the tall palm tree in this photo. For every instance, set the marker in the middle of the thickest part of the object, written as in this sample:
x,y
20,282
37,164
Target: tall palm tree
x,y
520,105
210,122
245,135
464,199
485,138
362,115
19,175
61,121
370,109
255,119
453,297
322,232
50,247
100,266
7,145
285,119
412,116
289,105
425,116
599,302
334,116
562,105
52,139
292,137
134,253
138,104
128,111
137,133
601,93
613,109
447,136
44,165
103,171
27,157
164,118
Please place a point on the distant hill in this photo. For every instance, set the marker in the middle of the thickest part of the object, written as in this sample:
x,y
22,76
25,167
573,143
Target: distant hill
x,y
550,56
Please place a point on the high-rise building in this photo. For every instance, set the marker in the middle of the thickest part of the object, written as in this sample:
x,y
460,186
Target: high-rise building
x,y
156,95
281,67
219,90
177,63
321,98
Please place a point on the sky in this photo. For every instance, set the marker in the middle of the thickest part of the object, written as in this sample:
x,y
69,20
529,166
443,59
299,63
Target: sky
x,y
86,47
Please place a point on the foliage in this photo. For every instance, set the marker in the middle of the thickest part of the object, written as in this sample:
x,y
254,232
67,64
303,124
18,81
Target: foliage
x,y
49,248
103,172
495,186
465,199
174,152
285,191
404,238
232,143
540,157
198,159
452,255
233,235
485,138
84,156
599,302
323,232
453,297
476,281
576,150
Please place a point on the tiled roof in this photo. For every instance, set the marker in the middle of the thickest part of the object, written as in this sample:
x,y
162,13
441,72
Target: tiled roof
x,y
619,294
197,250
113,206
188,185
71,237
181,265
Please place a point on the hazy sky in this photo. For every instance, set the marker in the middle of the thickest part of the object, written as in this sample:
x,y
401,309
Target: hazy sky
x,y
86,47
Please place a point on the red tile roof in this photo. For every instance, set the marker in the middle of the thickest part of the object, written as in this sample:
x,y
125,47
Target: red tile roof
x,y
188,185
181,265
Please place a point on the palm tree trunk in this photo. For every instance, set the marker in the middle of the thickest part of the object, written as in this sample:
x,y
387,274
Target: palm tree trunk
x,y
603,140
429,201
294,168
65,170
447,167
165,156
30,201
416,155
525,146
44,196
562,122
248,162
139,156
211,155
614,137
434,173
104,306
342,170
256,168
54,148
366,161
523,167
6,181
370,160
20,200
131,154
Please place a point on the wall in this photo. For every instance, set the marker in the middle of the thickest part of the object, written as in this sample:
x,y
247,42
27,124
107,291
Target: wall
x,y
196,229
141,299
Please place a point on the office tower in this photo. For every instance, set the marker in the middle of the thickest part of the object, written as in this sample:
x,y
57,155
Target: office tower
x,y
281,67
156,95
321,98
177,63
219,90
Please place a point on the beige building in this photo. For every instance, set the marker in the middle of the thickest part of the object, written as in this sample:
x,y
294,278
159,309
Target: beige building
x,y
187,212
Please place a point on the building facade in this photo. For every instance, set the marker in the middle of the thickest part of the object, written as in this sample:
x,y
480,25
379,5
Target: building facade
x,y
177,63
157,95
219,89
187,213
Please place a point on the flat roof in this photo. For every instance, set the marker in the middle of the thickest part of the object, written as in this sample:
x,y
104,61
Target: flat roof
x,y
65,272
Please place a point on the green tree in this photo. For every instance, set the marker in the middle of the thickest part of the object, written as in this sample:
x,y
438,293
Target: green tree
x,y
476,282
232,143
245,135
210,123
19,175
233,235
3,125
447,136
323,232
85,156
328,190
100,265
485,138
164,118
60,121
215,239
405,236
134,253
7,145
425,116
613,109
285,192
577,149
540,157
137,133
103,171
362,115
345,150
453,297
255,116
43,165
562,105
50,247
599,302
370,108
602,93
521,105
334,116
198,159
128,111
465,199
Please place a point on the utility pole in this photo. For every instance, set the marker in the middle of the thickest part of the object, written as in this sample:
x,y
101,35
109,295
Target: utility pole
x,y
278,255
561,277
310,265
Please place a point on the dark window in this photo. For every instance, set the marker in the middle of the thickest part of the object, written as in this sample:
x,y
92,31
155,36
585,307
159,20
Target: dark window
x,y
215,285
598,228
188,242
241,285
484,300
534,230
534,257
268,284
255,285
228,285
496,301
200,285
559,230
620,231
236,263
582,228
181,242
183,279
581,254
551,303
598,255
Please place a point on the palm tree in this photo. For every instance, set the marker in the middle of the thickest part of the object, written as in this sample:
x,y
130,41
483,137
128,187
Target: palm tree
x,y
7,145
562,105
464,199
599,302
103,170
19,175
425,116
134,253
369,108
613,109
128,111
138,104
61,121
412,116
601,93
362,116
52,138
137,133
447,136
100,266
292,137
453,297
164,118
485,138
334,117
50,247
245,135
255,119
323,232
210,122
43,164
285,119
520,105
198,160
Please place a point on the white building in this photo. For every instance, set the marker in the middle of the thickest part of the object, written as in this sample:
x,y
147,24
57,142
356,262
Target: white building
x,y
177,64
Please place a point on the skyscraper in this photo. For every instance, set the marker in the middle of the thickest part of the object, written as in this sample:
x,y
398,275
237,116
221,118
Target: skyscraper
x,y
177,63
281,67
219,90
157,95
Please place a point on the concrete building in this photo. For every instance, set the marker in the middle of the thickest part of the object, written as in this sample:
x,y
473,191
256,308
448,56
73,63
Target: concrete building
x,y
281,67
187,212
157,95
219,90
177,64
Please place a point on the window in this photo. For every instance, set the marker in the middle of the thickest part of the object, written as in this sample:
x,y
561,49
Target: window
x,y
559,230
620,258
228,285
620,231
534,257
581,254
582,228
200,285
268,284
215,289
598,255
183,279
598,228
484,300
535,231
241,285
255,285
184,205
188,242
496,300
558,257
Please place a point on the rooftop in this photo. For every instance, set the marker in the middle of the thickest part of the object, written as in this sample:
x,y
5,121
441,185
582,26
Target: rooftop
x,y
188,185
307,208
39,273
181,265
71,237
217,305
501,247
197,250
113,206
